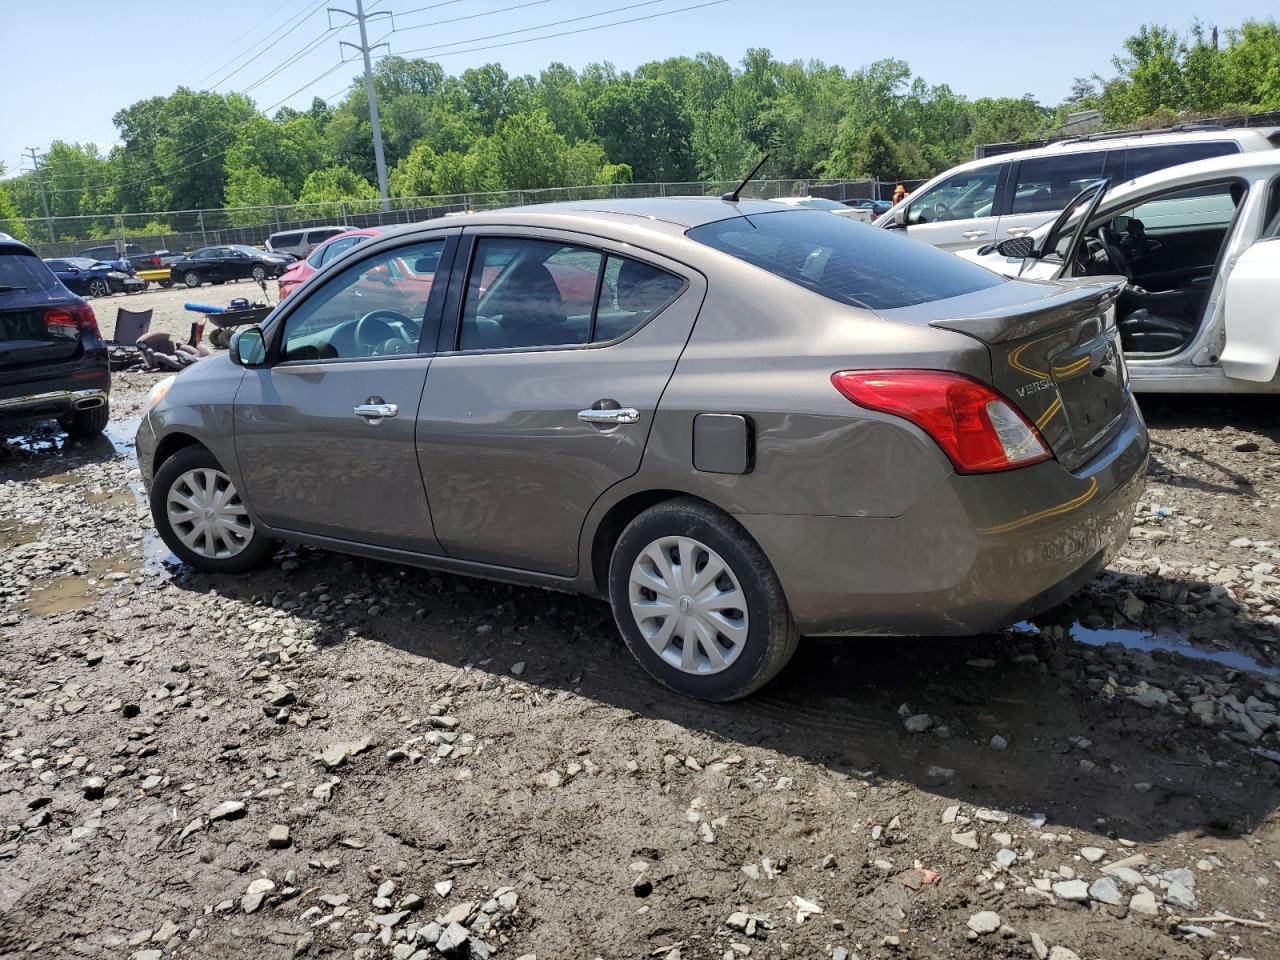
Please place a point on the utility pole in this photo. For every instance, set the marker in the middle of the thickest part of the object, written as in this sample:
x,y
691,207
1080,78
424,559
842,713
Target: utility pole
x,y
362,18
44,200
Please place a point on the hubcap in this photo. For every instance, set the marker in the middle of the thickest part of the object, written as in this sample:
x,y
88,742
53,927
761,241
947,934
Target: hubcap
x,y
688,605
205,512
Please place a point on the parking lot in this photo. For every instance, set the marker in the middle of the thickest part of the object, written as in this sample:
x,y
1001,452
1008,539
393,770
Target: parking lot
x,y
334,754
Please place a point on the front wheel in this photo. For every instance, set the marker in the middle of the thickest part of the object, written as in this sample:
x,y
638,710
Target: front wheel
x,y
191,279
698,603
99,288
259,274
200,516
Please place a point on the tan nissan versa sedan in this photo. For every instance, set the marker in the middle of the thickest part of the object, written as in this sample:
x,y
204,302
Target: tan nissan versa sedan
x,y
738,421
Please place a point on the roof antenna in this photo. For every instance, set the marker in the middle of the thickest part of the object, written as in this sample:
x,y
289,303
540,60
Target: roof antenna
x,y
732,195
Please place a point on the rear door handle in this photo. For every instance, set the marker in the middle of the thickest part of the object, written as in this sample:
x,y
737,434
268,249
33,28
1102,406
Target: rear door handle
x,y
973,234
609,418
374,412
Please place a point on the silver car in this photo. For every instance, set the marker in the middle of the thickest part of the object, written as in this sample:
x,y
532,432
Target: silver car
x,y
739,422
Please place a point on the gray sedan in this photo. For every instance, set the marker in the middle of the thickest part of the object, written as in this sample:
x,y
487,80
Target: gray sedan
x,y
739,422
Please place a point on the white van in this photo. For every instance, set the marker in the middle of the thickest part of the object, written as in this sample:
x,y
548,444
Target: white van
x,y
302,242
992,199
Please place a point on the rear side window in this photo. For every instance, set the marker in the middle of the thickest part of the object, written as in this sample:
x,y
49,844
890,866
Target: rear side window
x,y
1046,184
1144,160
631,293
24,272
320,236
285,240
844,260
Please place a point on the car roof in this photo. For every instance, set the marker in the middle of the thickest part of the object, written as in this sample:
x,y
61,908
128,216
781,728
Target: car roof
x,y
663,214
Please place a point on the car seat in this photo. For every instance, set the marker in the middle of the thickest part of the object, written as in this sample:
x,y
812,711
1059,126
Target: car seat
x,y
530,307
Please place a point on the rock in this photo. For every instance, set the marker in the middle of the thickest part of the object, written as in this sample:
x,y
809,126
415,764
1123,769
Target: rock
x,y
985,921
968,840
549,780
737,921
1062,953
1126,875
1244,446
949,815
999,743
1133,861
444,887
94,788
1076,891
804,908
278,837
1105,890
1180,896
1006,857
459,913
430,933
1144,901
918,723
1093,854
1150,697
452,939
255,894
227,810
1039,947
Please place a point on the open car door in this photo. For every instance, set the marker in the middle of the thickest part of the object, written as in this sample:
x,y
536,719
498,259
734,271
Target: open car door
x,y
1083,204
1251,309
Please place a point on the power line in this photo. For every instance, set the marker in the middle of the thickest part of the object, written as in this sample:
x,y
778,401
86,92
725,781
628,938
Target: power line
x,y
472,16
430,6
565,33
224,66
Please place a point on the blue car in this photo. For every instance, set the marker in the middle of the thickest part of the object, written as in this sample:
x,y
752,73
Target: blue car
x,y
93,278
53,361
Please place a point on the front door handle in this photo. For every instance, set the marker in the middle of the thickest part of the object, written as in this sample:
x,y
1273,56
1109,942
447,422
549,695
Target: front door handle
x,y
1019,231
609,418
375,412
973,234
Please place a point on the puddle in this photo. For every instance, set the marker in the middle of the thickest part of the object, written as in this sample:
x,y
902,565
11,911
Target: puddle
x,y
122,433
14,533
1148,642
77,591
60,478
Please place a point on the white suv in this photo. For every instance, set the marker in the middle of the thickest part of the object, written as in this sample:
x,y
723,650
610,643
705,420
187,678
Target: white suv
x,y
1198,248
989,200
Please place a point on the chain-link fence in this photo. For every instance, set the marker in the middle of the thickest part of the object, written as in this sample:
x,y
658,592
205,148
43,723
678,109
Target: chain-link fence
x,y
185,230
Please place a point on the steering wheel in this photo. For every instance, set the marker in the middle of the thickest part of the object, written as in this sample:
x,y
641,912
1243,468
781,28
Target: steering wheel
x,y
374,329
941,211
1115,257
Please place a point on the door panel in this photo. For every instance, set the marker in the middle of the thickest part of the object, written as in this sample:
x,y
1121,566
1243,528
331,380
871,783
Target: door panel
x,y
312,465
1253,315
510,468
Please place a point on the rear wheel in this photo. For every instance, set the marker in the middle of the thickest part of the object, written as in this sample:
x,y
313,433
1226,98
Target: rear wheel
x,y
259,273
99,288
200,516
86,423
698,602
191,279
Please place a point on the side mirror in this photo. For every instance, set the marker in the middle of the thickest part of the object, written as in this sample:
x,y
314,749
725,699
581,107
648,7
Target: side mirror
x,y
248,347
899,221
1016,248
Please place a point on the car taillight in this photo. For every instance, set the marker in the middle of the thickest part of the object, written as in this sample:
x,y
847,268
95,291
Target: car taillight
x,y
978,430
155,261
75,318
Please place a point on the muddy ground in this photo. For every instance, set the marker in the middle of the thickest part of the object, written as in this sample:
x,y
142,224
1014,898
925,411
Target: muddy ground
x,y
338,757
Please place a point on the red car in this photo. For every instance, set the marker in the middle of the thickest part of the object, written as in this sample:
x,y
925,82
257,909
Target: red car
x,y
303,269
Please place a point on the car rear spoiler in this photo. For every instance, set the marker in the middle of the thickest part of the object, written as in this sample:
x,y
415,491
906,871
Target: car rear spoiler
x,y
1064,302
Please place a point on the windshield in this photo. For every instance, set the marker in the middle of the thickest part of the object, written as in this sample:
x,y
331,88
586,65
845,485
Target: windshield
x,y
844,260
821,203
20,270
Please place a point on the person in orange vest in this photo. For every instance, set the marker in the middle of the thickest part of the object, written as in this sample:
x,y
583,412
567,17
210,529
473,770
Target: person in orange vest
x,y
899,194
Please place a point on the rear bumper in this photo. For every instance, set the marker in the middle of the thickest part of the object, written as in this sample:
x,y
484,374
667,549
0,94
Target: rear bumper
x,y
976,554
53,403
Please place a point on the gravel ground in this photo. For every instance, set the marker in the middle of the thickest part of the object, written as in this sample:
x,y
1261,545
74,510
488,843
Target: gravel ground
x,y
169,315
337,757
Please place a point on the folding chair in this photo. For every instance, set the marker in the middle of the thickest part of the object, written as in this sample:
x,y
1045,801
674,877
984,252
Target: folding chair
x,y
130,325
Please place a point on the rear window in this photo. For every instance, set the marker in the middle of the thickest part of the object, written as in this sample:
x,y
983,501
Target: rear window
x,y
285,239
24,271
844,260
1144,160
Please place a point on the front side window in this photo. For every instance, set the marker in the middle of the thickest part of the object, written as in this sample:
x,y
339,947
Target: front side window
x,y
331,250
844,260
208,253
373,308
1046,184
959,197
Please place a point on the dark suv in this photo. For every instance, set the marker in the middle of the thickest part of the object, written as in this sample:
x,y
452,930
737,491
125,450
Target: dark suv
x,y
53,362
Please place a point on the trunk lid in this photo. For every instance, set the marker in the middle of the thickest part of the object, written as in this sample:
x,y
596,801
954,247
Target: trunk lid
x,y
1054,353
28,290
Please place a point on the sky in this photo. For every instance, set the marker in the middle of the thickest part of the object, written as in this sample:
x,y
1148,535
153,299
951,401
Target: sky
x,y
65,74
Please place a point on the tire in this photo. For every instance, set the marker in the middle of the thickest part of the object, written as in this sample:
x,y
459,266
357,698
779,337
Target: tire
x,y
766,640
99,288
259,274
191,279
183,474
165,284
83,424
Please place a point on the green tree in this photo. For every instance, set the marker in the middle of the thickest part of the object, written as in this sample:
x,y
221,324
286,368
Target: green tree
x,y
249,189
414,176
640,122
332,185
